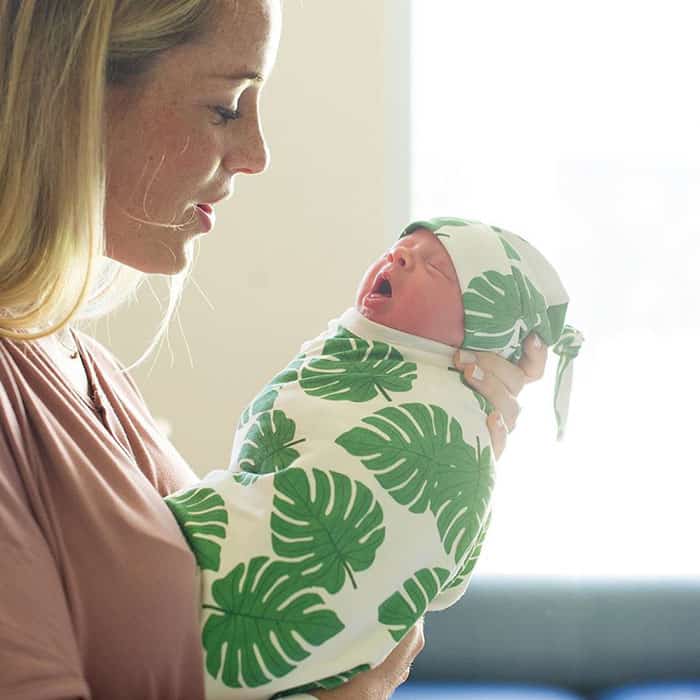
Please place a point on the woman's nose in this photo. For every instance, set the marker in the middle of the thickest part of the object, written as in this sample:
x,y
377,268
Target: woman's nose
x,y
250,155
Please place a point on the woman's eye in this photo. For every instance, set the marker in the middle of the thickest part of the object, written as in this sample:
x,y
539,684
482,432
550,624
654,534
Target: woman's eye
x,y
227,115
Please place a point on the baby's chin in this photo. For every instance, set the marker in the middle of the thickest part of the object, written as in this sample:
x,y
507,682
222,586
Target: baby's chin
x,y
381,315
375,311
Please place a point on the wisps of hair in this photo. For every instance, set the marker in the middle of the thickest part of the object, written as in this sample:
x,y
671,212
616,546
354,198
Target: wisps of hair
x,y
57,60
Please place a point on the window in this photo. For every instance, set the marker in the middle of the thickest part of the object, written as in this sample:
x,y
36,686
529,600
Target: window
x,y
577,126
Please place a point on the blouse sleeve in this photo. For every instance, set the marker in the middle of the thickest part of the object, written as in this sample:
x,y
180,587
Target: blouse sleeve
x,y
38,652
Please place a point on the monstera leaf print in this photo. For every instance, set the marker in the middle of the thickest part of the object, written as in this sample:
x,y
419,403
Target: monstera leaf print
x,y
418,454
263,402
470,562
329,534
511,253
290,374
353,369
500,310
201,514
533,304
267,397
401,610
245,478
268,445
327,683
253,633
491,311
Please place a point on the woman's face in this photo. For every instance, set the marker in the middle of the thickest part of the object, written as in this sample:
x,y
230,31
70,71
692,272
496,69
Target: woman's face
x,y
168,145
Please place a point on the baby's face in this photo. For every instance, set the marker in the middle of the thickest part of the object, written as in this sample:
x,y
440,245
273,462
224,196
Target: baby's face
x,y
414,288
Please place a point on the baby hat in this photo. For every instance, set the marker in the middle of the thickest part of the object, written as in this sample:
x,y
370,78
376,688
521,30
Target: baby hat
x,y
508,290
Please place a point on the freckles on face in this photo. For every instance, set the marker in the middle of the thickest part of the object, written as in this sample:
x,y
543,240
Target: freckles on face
x,y
168,146
414,288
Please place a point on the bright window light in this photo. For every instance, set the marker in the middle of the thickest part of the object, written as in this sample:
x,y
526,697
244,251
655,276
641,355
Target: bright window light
x,y
577,126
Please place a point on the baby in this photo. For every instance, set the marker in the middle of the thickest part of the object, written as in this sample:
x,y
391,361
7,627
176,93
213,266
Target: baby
x,y
358,494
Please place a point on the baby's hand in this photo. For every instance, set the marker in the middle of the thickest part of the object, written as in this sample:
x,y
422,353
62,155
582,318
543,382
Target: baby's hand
x,y
500,382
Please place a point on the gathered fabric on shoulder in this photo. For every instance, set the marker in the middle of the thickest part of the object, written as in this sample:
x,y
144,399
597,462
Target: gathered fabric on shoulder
x,y
98,586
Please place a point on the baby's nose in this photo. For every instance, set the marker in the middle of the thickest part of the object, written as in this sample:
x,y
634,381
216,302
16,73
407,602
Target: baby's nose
x,y
399,257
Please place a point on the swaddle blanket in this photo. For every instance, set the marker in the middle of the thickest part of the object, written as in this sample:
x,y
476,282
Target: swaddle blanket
x,y
358,494
357,499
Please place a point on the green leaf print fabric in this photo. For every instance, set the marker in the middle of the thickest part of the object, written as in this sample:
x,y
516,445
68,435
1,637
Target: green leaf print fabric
x,y
509,290
332,534
356,500
352,369
253,607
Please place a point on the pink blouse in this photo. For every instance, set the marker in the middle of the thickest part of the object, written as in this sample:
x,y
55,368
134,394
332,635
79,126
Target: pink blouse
x,y
97,584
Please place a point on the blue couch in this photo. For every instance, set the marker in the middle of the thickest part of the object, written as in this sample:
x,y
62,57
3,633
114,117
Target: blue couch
x,y
562,639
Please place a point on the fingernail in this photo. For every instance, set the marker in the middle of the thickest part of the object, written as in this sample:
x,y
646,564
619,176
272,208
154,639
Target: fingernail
x,y
500,422
477,373
537,342
466,357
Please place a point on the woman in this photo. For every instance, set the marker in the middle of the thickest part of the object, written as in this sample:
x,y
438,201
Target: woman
x,y
117,117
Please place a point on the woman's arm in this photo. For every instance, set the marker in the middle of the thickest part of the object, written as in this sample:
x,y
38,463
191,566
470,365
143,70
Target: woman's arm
x,y
501,383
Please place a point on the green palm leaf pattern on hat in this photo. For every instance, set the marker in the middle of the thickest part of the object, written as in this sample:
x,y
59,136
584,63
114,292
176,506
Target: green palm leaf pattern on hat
x,y
268,445
353,369
201,514
470,562
262,607
511,253
418,455
265,400
500,310
401,610
326,683
331,534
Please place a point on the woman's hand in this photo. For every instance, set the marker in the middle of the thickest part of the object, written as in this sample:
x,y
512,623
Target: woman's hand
x,y
500,382
380,682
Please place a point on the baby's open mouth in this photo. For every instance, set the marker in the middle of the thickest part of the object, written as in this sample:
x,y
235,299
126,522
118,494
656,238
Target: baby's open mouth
x,y
382,287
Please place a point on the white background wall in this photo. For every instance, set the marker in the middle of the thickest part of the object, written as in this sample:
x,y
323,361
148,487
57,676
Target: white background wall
x,y
290,247
576,126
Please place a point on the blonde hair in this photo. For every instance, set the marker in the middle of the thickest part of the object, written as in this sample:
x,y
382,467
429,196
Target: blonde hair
x,y
57,60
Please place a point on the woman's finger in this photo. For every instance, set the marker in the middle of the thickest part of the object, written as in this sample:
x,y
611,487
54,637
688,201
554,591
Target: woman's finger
x,y
414,641
510,375
495,392
498,432
380,682
534,358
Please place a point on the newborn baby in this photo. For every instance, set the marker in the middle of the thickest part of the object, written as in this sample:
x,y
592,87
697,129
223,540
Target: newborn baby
x,y
358,494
